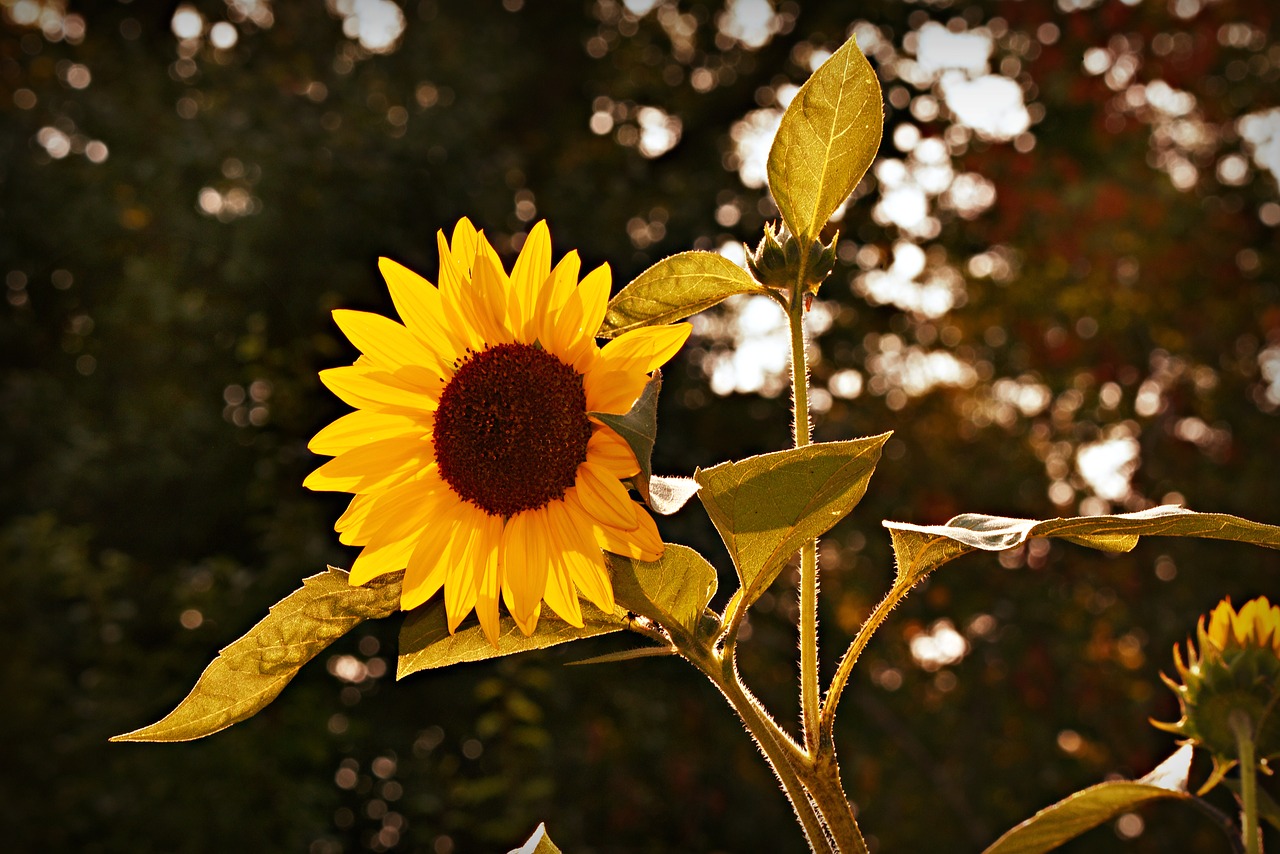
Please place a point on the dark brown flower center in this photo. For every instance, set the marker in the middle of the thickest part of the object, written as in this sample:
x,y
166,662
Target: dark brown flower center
x,y
512,429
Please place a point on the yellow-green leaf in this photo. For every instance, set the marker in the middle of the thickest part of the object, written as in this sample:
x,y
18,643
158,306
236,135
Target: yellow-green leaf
x,y
920,549
828,137
425,642
673,590
673,289
539,843
639,428
249,673
766,507
1087,809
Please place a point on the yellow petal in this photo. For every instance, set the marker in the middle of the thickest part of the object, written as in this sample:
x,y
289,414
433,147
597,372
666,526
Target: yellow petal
x,y
532,267
607,449
463,246
463,568
364,388
417,301
562,282
604,498
363,426
376,465
491,301
428,565
560,595
418,499
641,542
581,554
455,279
489,580
524,564
349,523
644,349
388,344
594,292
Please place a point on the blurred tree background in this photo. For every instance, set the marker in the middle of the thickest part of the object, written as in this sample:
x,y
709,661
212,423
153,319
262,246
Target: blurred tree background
x,y
1058,285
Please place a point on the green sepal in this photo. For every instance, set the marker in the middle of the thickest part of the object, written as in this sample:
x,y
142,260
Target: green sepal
x,y
766,507
252,671
639,429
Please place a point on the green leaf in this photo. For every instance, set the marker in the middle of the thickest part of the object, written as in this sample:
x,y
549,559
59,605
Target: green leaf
x,y
920,549
673,289
539,843
639,428
673,590
766,507
1087,809
425,642
249,673
828,137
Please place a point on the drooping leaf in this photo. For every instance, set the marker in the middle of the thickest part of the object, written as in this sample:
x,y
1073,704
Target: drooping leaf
x,y
673,289
828,137
639,428
250,672
425,642
673,590
539,843
920,549
1087,809
765,507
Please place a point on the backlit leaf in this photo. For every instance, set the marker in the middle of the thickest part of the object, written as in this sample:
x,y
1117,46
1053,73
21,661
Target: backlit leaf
x,y
828,137
425,642
249,673
765,507
673,289
639,428
920,549
673,590
1087,809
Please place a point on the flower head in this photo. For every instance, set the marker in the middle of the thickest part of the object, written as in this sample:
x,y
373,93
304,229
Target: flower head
x,y
1236,668
475,461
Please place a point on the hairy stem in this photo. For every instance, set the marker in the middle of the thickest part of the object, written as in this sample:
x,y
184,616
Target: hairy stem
x,y
851,655
1243,729
809,696
782,754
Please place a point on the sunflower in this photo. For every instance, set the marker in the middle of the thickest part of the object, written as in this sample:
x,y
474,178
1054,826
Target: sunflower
x,y
473,455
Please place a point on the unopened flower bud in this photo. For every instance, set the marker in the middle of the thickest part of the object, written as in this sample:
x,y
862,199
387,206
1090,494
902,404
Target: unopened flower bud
x,y
775,263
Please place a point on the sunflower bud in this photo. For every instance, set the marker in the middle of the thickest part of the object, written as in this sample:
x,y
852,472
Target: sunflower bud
x,y
776,261
1236,668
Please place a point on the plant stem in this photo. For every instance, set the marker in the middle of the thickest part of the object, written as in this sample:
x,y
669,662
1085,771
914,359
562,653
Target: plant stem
x,y
782,754
1243,729
809,696
845,667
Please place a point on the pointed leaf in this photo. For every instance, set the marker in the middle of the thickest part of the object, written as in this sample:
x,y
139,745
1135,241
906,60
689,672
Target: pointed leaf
x,y
249,673
827,138
425,642
673,289
920,549
673,590
628,655
539,843
1087,809
639,428
766,507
